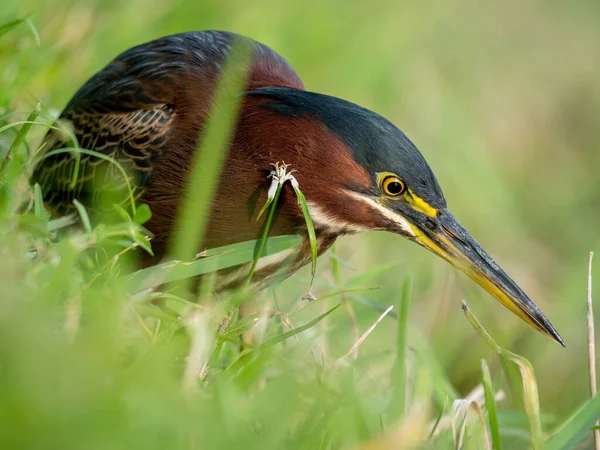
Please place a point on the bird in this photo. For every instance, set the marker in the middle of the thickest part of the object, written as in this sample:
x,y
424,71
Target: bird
x,y
147,108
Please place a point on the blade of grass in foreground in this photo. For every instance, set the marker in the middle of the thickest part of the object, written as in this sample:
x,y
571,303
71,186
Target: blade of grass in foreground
x,y
195,208
442,389
310,228
574,429
260,244
337,279
490,404
38,206
530,391
468,426
7,26
397,407
214,259
241,357
280,176
295,331
20,139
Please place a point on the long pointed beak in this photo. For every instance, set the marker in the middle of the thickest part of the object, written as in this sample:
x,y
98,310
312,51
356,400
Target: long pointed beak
x,y
446,237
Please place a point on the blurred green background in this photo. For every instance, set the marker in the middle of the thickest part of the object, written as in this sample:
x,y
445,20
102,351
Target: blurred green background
x,y
502,98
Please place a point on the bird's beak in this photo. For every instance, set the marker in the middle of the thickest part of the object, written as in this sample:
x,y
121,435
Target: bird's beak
x,y
446,237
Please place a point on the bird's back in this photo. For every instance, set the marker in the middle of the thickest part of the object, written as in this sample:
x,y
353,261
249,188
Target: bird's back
x,y
143,109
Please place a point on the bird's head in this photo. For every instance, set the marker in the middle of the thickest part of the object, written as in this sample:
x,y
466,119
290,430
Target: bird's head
x,y
389,186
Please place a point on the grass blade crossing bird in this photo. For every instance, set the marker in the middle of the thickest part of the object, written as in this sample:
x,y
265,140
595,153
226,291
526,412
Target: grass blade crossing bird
x,y
358,171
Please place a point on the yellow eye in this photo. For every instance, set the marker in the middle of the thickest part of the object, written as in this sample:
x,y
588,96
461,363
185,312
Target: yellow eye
x,y
392,186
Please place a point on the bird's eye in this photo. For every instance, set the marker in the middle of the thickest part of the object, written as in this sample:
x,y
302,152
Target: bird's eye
x,y
392,186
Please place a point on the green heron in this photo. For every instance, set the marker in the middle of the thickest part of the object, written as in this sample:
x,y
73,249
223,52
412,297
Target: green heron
x,y
358,171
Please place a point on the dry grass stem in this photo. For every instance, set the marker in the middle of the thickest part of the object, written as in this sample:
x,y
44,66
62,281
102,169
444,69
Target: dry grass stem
x,y
285,320
196,361
465,416
365,335
406,434
592,346
143,324
475,396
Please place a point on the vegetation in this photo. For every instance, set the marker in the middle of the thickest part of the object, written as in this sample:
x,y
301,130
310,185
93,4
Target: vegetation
x,y
502,99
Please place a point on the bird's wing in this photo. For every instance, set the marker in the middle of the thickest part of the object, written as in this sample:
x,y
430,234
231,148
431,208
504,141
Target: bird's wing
x,y
119,114
125,112
130,140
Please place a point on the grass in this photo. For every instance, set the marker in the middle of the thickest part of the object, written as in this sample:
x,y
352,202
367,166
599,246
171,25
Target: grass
x,y
90,359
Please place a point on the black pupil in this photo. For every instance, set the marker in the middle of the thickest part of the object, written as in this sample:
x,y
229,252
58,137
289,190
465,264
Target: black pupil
x,y
394,187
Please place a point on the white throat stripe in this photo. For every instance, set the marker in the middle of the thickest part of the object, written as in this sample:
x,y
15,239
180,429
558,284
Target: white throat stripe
x,y
390,215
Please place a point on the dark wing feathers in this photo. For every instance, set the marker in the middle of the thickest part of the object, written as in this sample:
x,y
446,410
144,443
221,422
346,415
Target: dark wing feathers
x,y
130,138
125,112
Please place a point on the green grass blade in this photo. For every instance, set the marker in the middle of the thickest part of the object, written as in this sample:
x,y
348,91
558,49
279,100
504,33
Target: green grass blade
x,y
479,328
215,259
279,338
269,201
260,244
443,390
85,218
511,373
39,153
574,429
194,211
490,404
400,372
8,126
370,304
61,222
335,265
528,381
20,139
337,278
7,26
310,228
34,31
295,331
530,398
348,291
38,206
142,214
